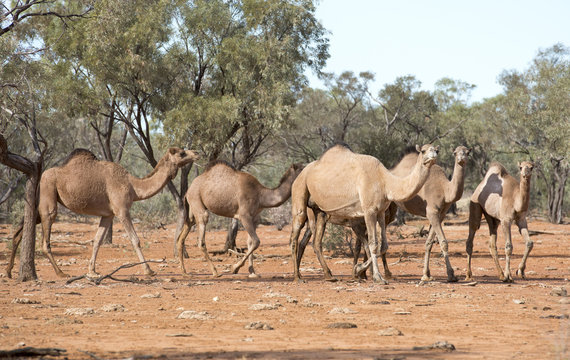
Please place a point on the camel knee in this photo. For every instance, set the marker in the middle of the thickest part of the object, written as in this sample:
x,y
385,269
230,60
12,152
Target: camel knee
x,y
529,245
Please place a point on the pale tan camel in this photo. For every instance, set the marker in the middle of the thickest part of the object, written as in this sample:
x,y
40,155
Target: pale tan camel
x,y
349,187
503,201
433,201
89,186
227,192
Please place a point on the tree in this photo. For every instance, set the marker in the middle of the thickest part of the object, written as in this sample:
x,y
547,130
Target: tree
x,y
535,118
241,65
24,84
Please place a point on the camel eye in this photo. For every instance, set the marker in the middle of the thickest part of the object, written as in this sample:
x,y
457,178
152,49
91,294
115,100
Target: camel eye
x,y
182,154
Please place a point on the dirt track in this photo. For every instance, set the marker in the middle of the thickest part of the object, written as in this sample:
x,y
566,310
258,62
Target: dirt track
x,y
524,320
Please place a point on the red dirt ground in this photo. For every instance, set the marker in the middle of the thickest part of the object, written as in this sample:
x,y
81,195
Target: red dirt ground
x,y
491,319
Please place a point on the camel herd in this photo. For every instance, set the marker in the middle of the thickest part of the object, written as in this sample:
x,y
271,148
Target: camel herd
x,y
320,192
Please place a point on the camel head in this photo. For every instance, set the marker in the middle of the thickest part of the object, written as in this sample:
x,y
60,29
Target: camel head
x,y
526,169
461,154
181,157
428,154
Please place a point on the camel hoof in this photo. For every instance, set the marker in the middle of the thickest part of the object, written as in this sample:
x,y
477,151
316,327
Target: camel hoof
x,y
253,276
521,274
427,278
299,280
388,275
63,275
508,279
93,275
469,279
452,279
379,280
149,273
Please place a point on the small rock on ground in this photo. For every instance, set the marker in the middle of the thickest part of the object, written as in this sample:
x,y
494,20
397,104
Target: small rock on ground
x,y
390,332
258,325
341,325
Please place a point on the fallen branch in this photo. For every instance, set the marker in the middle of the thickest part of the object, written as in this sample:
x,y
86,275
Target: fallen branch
x,y
110,275
31,351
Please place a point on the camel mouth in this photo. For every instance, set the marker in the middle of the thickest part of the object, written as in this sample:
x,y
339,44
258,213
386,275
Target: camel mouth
x,y
430,160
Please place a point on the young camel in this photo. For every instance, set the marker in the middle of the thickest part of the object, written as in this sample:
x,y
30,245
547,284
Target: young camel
x,y
366,194
503,201
433,201
89,186
225,191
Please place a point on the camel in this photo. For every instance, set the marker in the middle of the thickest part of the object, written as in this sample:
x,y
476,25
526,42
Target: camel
x,y
348,187
433,201
89,186
225,191
503,201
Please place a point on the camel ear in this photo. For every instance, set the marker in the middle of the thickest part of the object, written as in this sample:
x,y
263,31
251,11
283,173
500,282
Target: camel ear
x,y
418,149
519,164
437,149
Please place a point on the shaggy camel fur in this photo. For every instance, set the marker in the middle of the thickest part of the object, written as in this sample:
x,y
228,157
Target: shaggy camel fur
x,y
433,201
349,187
503,201
225,191
88,186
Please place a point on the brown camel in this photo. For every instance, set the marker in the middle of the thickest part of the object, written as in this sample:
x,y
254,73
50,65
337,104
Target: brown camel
x,y
227,192
89,186
503,201
349,187
433,201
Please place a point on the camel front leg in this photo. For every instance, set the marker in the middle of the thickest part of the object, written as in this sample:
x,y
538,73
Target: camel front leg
x,y
201,221
321,223
428,246
252,244
523,229
135,241
104,227
435,221
508,251
371,218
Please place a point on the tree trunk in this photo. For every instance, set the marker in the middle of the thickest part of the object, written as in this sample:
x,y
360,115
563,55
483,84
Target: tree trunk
x,y
182,208
557,187
28,246
231,236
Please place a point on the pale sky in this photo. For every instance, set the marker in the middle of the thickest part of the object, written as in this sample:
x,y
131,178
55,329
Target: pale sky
x,y
471,41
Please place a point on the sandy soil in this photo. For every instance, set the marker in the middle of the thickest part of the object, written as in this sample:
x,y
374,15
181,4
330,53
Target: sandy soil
x,y
115,320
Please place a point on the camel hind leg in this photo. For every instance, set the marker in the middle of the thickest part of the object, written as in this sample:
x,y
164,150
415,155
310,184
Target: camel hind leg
x,y
321,223
125,219
104,227
475,213
16,239
180,248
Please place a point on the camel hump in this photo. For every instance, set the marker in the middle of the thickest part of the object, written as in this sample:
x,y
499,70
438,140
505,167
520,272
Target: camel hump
x,y
79,152
339,146
498,168
215,163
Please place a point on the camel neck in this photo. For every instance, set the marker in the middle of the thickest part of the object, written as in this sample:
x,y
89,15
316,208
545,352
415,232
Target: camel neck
x,y
404,188
523,198
154,182
277,196
454,188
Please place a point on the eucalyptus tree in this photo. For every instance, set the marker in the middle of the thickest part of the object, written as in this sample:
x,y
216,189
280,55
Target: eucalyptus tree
x,y
240,67
25,85
534,120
